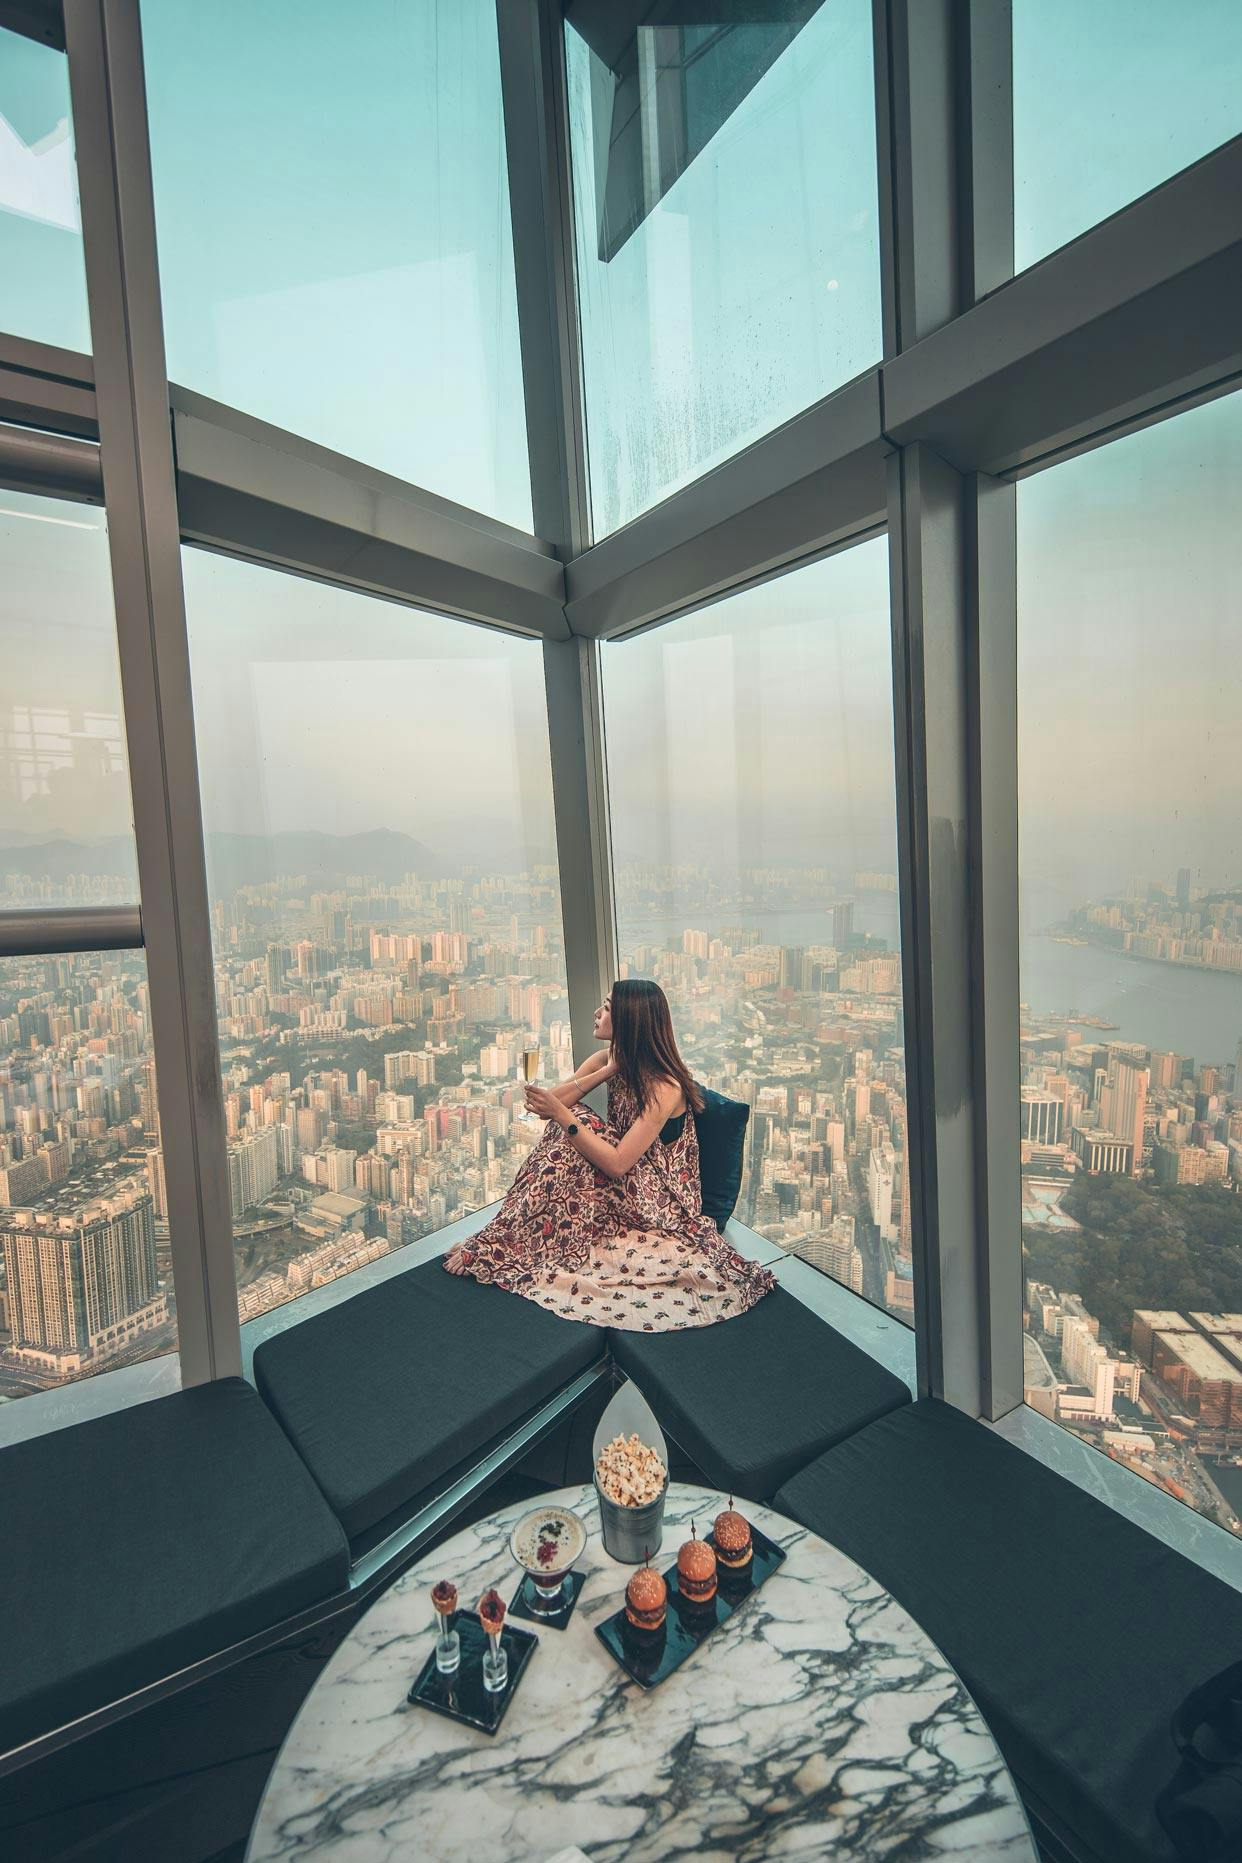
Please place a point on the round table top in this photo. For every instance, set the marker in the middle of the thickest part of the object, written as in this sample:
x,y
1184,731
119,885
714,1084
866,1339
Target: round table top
x,y
818,1720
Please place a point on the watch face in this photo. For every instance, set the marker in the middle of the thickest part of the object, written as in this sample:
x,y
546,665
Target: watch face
x,y
571,1131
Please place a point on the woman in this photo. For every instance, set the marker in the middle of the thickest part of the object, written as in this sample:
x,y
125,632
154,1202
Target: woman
x,y
604,1221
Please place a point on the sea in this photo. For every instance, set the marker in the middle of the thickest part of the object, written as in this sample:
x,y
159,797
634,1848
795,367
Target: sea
x,y
1197,1013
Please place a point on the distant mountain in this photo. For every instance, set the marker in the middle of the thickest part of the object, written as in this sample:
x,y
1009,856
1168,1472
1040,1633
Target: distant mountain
x,y
235,860
57,860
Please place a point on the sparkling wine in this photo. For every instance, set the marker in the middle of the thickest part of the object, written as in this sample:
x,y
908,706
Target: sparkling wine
x,y
530,1063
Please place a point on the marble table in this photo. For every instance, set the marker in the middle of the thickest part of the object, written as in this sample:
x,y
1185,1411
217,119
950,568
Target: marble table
x,y
817,1721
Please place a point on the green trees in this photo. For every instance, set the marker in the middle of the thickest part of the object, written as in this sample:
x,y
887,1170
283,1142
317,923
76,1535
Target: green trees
x,y
1139,1246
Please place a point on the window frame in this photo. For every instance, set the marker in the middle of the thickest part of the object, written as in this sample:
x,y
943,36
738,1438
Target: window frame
x,y
985,377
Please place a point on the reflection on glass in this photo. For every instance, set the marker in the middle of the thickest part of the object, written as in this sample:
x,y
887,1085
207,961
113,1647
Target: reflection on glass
x,y
1130,774
750,761
727,232
1109,100
42,274
66,823
83,1210
386,914
335,246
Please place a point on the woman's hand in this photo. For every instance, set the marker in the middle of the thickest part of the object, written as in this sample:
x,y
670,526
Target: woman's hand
x,y
543,1103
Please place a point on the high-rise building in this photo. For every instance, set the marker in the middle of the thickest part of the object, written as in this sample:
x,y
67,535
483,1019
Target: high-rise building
x,y
1123,1103
843,923
1183,887
1041,1117
254,1167
82,1280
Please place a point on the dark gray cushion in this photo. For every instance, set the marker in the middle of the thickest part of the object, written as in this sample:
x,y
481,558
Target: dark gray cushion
x,y
753,1398
134,1544
1077,1633
721,1132
386,1395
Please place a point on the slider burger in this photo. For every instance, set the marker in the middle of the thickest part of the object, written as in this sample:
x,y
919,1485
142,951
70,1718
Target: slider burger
x,y
731,1537
696,1571
646,1599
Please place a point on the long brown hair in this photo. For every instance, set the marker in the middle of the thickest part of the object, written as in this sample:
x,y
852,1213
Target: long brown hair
x,y
643,1045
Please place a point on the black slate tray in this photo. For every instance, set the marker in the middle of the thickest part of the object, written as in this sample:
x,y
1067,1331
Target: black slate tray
x,y
521,1605
649,1656
462,1696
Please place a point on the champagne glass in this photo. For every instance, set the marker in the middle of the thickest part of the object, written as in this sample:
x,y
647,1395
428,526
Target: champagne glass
x,y
530,1063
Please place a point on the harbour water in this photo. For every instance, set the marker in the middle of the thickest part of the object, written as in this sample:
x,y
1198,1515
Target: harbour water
x,y
1169,1006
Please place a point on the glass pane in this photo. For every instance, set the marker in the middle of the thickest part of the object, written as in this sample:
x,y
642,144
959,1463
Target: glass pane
x,y
727,232
381,849
1111,99
66,822
335,247
750,761
87,1285
1130,754
42,274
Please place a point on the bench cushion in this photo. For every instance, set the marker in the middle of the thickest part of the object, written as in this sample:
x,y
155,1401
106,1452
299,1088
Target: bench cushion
x,y
721,1131
389,1393
134,1544
1077,1633
754,1398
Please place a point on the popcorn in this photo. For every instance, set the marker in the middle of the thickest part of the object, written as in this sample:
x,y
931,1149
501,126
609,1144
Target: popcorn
x,y
629,1473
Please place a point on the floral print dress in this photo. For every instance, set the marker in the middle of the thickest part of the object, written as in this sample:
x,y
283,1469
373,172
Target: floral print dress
x,y
635,1252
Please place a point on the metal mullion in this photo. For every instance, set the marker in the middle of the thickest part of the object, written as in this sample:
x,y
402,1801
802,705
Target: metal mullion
x,y
532,67
110,119
991,605
944,129
533,90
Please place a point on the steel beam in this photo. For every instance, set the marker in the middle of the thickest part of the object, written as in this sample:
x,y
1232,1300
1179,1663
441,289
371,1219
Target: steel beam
x,y
43,386
257,491
118,223
800,490
52,465
70,928
1138,313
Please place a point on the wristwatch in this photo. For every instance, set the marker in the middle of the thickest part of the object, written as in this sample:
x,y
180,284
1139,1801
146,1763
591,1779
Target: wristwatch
x,y
571,1130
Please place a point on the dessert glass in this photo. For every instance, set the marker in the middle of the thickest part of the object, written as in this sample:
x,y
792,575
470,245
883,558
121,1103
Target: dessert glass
x,y
448,1642
547,1543
495,1658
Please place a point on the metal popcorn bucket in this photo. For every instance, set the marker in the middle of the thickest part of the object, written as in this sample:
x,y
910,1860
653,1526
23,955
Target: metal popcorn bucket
x,y
630,1534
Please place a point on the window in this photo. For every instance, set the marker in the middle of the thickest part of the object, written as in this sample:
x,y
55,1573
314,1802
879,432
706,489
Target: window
x,y
335,247
750,758
66,824
42,274
382,865
86,1277
1130,749
1109,100
727,233
84,1261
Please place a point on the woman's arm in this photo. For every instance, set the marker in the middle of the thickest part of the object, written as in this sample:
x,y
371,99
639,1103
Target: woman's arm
x,y
615,1160
593,1072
